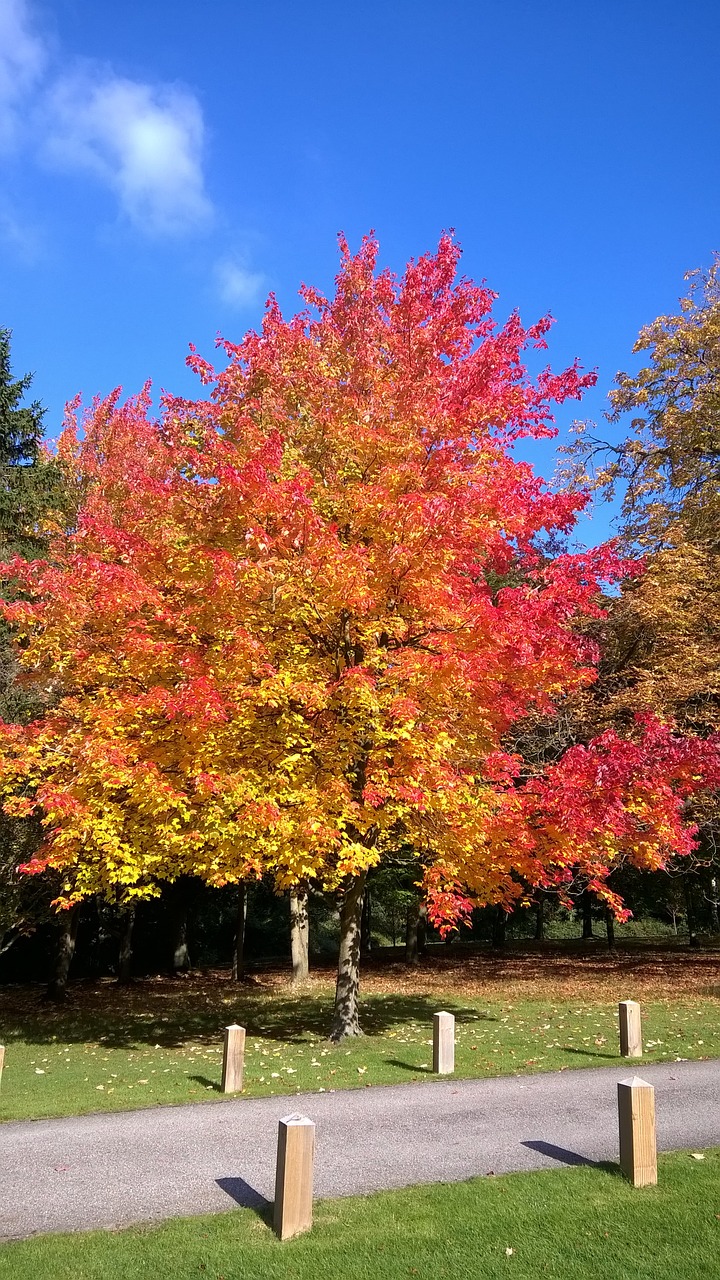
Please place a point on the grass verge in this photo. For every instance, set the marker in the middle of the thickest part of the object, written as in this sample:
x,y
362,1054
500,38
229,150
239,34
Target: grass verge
x,y
160,1041
573,1224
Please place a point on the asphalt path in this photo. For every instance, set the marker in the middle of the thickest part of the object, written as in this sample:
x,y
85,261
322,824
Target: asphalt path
x,y
111,1170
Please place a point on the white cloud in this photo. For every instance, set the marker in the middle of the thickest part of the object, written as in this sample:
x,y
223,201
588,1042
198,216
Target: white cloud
x,y
22,61
236,285
143,141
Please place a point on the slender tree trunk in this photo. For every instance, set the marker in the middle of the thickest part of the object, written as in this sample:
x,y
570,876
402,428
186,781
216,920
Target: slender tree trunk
x,y
126,947
714,915
346,1019
422,930
690,908
179,902
610,926
57,987
238,955
412,919
499,930
299,937
366,926
540,919
586,908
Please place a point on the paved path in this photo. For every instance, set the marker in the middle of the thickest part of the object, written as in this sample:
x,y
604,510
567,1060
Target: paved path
x,y
132,1166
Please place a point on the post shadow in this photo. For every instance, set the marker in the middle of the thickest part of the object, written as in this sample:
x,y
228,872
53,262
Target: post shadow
x,y
247,1197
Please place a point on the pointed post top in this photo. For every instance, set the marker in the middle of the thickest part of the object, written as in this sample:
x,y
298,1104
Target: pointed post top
x,y
635,1082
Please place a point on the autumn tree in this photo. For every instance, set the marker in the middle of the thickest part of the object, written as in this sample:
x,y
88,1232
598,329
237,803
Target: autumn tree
x,y
662,640
298,618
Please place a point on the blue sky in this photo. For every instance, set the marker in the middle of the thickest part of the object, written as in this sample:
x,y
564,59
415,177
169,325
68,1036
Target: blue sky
x,y
165,164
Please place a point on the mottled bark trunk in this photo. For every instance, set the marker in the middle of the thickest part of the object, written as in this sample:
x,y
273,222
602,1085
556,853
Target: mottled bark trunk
x,y
57,987
540,919
411,933
586,909
346,1017
366,924
299,937
238,955
179,897
126,946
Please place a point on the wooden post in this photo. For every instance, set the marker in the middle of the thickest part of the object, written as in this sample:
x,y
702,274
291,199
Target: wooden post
x,y
294,1176
636,1116
233,1059
630,1029
443,1044
2,1061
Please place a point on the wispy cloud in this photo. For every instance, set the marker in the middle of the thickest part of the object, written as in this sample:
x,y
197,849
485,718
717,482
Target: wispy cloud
x,y
236,285
23,56
143,141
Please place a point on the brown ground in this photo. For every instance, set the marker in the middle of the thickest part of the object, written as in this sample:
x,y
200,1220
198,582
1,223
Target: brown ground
x,y
552,971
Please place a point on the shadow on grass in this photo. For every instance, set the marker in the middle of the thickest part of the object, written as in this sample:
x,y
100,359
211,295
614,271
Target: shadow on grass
x,y
409,1066
170,1014
593,1053
207,1082
572,1158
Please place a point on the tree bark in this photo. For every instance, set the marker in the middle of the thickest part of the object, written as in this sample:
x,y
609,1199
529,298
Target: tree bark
x,y
714,914
499,929
179,894
366,925
540,919
586,908
126,948
238,955
690,908
57,987
346,1019
299,937
610,926
422,930
412,920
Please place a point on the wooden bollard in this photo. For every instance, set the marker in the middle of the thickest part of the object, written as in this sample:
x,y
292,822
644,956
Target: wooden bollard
x,y
233,1059
630,1029
636,1117
443,1044
294,1176
2,1061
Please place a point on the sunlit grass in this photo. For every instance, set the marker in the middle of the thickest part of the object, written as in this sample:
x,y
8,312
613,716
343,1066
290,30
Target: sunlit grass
x,y
576,1224
163,1044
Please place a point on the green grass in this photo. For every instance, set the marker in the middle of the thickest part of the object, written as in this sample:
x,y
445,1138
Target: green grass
x,y
163,1044
574,1224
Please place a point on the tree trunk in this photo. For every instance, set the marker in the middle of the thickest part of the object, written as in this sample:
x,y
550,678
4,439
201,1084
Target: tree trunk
x,y
499,928
366,925
126,949
238,958
57,987
540,919
690,908
714,915
179,894
412,920
610,926
586,908
346,1020
422,930
299,937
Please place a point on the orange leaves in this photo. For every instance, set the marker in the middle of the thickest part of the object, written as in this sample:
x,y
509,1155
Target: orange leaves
x,y
297,618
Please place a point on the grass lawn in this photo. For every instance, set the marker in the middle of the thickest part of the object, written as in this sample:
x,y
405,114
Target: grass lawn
x,y
566,1225
160,1040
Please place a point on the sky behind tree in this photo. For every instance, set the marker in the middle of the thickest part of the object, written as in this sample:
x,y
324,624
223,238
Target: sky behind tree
x,y
165,165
